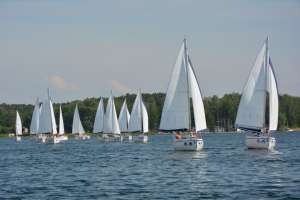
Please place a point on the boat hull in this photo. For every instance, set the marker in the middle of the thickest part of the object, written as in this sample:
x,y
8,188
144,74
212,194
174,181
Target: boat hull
x,y
188,144
140,139
18,138
260,142
59,138
82,137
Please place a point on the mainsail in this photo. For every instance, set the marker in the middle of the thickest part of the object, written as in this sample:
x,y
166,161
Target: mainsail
x,y
18,124
183,86
47,123
77,127
124,117
99,119
252,108
34,125
61,122
139,116
111,124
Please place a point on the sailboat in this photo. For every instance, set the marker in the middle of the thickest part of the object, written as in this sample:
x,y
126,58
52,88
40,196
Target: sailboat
x,y
111,127
124,118
139,119
18,127
34,125
77,128
251,116
176,114
47,123
99,118
61,131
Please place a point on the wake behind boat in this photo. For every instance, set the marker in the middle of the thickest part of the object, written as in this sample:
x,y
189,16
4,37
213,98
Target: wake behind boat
x,y
176,115
251,116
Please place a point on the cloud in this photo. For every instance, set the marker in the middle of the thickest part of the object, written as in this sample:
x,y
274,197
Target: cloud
x,y
116,85
60,83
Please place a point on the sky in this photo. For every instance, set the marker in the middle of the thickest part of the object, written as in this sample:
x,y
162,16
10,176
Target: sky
x,y
87,48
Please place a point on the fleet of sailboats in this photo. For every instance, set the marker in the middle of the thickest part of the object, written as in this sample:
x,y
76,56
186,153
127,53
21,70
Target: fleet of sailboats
x,y
251,116
259,99
176,114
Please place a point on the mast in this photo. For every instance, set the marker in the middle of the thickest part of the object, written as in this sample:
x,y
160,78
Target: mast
x,y
266,78
141,108
187,80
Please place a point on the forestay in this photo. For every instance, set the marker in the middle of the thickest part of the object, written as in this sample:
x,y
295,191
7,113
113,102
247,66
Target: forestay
x,y
77,127
99,119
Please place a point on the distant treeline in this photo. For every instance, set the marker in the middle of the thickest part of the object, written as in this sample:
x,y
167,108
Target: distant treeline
x,y
220,111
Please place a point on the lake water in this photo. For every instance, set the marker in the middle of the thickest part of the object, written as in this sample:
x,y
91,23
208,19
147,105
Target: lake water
x,y
91,169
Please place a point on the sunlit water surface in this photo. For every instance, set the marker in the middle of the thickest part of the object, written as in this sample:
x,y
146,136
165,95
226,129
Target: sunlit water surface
x,y
91,169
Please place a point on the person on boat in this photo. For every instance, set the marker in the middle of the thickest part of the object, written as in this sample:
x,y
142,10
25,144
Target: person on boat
x,y
194,135
178,135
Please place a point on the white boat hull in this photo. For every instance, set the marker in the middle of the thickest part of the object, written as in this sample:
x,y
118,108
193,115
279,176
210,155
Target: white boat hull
x,y
112,138
188,144
260,142
59,138
18,138
140,139
82,137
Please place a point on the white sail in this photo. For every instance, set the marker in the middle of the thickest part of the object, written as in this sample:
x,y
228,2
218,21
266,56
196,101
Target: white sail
x,y
145,118
182,87
124,118
111,124
77,127
47,123
99,119
139,117
175,114
251,111
61,122
18,124
195,93
34,125
273,98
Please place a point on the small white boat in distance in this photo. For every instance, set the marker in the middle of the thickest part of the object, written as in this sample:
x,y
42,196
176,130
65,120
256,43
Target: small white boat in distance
x,y
61,131
77,128
176,114
111,128
251,116
18,127
139,120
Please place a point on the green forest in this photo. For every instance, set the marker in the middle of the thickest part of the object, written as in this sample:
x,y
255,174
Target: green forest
x,y
220,111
